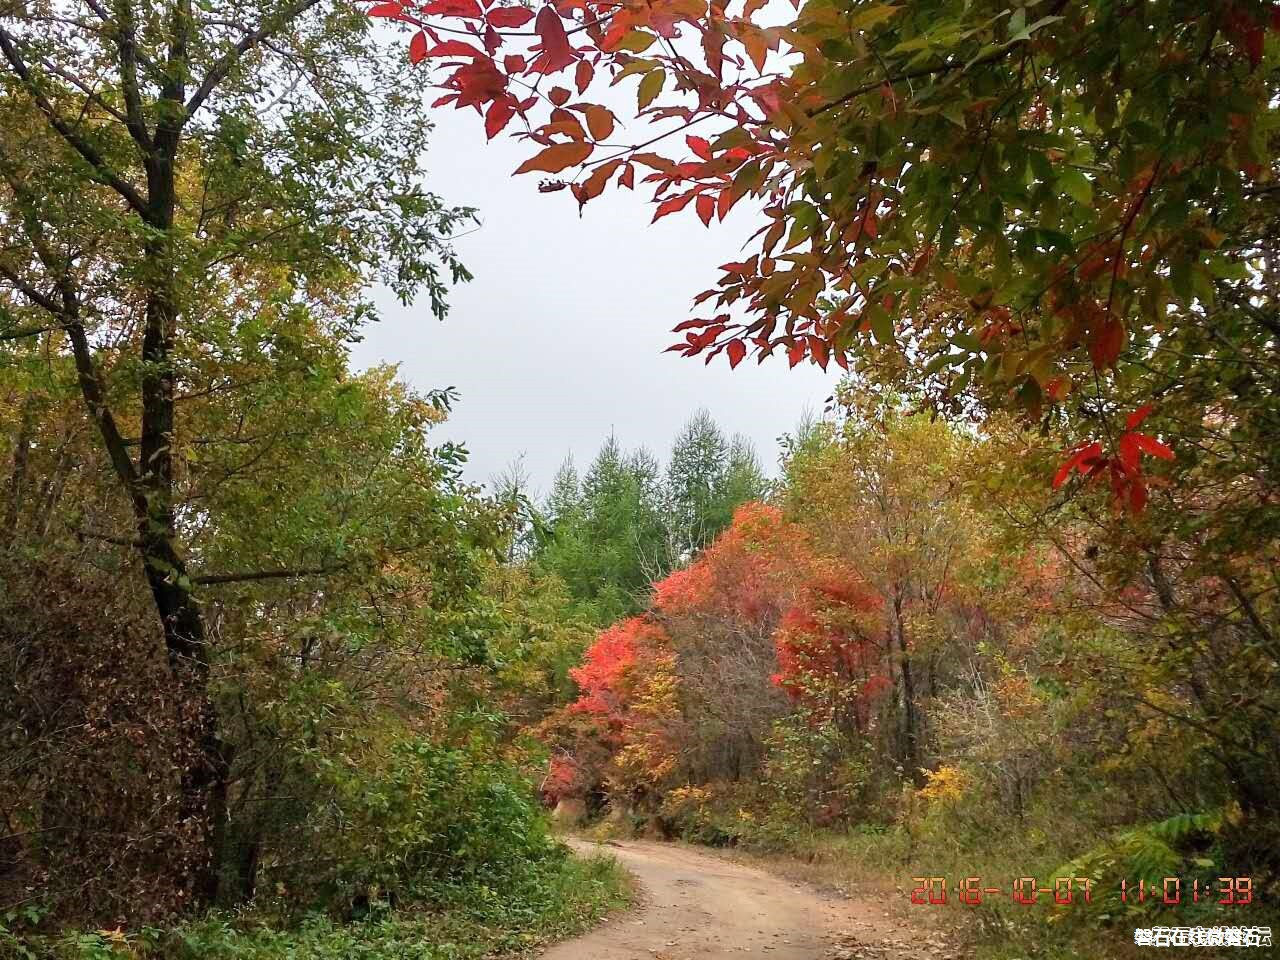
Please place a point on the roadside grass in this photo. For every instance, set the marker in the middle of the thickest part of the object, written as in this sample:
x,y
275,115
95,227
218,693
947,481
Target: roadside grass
x,y
881,864
555,901
878,864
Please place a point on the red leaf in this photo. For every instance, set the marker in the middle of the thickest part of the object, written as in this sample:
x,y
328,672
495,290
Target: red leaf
x,y
392,10
1254,40
599,121
418,47
921,261
737,350
671,206
1138,416
595,183
478,82
699,146
555,51
1150,445
628,177
819,350
725,203
1084,455
582,75
507,17
1129,452
467,9
796,352
498,116
689,325
558,95
706,208
1106,342
513,63
557,157
1137,496
450,48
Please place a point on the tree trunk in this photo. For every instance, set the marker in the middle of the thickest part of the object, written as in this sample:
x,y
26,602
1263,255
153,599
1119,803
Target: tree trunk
x,y
18,475
910,721
204,781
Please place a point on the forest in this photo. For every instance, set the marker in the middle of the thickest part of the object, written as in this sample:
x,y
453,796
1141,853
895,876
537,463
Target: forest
x,y
280,679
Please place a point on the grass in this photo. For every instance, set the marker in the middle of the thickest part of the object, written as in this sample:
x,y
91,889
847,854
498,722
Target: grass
x,y
554,902
880,863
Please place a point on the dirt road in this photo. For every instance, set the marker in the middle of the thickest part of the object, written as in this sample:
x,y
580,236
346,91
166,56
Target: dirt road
x,y
696,906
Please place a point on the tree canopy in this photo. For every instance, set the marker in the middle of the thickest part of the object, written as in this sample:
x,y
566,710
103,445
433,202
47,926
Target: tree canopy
x,y
1033,201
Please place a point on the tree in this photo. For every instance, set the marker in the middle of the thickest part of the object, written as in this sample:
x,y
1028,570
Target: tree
x,y
240,174
629,522
607,539
881,492
689,692
959,180
316,681
708,477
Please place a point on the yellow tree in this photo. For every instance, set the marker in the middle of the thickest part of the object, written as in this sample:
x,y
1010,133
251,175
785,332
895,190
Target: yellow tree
x,y
881,490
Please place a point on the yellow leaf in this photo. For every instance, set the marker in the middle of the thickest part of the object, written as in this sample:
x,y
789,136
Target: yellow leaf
x,y
635,41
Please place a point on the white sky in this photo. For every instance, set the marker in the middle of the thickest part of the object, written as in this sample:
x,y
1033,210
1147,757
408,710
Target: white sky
x,y
559,339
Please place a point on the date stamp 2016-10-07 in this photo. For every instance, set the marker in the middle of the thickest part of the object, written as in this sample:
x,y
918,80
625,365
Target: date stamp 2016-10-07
x,y
1067,891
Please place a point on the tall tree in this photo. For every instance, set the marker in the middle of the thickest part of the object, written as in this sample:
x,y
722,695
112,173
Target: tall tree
x,y
239,172
881,490
607,542
695,477
629,522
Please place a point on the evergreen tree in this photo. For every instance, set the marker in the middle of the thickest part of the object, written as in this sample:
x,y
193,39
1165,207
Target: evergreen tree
x,y
628,522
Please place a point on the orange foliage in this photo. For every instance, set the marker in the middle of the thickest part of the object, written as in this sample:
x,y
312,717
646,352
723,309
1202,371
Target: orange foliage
x,y
761,578
603,676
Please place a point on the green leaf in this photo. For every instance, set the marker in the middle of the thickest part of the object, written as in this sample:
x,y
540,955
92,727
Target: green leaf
x,y
1076,185
1017,22
651,86
804,222
872,16
881,324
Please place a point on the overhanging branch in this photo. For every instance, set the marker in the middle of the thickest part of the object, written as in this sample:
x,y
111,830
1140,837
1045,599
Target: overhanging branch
x,y
295,573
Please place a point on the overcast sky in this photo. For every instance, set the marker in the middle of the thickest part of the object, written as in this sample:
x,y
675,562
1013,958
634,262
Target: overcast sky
x,y
559,339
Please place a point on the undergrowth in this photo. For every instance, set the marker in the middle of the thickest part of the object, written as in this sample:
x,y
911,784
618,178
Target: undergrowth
x,y
559,899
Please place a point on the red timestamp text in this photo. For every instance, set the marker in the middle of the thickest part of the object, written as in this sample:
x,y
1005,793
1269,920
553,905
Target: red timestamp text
x,y
1068,891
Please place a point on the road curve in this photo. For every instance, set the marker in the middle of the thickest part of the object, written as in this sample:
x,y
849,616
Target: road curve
x,y
697,906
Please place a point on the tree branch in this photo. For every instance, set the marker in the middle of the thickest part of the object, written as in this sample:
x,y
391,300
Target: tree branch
x,y
211,579
945,67
86,150
41,300
218,72
127,45
19,333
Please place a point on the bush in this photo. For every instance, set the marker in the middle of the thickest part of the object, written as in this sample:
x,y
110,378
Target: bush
x,y
409,821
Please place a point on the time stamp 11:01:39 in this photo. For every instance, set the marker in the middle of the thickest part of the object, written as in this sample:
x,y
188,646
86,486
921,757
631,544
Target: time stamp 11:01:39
x,y
1066,891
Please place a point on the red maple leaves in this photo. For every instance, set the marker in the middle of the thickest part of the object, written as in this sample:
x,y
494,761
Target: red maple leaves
x,y
1129,485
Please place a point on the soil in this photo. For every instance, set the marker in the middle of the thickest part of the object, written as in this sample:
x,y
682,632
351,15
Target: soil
x,y
697,906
